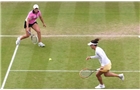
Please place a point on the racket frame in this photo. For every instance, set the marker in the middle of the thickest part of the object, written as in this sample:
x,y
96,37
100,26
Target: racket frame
x,y
92,71
32,35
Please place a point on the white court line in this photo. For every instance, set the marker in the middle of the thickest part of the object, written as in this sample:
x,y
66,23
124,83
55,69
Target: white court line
x,y
76,35
10,65
67,71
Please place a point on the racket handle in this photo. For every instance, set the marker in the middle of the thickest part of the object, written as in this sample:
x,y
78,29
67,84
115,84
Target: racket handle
x,y
97,69
29,32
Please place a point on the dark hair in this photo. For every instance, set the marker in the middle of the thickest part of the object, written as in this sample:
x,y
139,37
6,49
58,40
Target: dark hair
x,y
34,11
95,41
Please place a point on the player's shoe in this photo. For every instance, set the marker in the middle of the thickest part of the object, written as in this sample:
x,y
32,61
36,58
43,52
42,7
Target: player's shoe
x,y
18,40
100,86
40,44
121,76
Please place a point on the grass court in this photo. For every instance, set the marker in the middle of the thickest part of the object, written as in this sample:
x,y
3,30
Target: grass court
x,y
70,26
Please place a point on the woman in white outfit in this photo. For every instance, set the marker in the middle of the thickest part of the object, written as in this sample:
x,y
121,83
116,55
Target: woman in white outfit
x,y
105,64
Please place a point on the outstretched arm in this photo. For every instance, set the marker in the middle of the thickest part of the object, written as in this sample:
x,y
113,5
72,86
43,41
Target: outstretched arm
x,y
90,57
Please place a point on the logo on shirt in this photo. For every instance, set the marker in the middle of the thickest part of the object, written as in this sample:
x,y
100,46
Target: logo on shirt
x,y
35,17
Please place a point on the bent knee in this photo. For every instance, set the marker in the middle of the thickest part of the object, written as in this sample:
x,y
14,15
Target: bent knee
x,y
105,75
27,35
97,75
38,31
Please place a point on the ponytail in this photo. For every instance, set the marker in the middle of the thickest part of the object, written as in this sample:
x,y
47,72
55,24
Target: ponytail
x,y
95,40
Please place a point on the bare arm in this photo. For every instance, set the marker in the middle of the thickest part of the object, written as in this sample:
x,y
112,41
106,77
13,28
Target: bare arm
x,y
27,24
42,21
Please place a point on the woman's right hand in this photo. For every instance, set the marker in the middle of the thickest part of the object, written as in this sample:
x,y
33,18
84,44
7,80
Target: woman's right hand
x,y
27,28
28,31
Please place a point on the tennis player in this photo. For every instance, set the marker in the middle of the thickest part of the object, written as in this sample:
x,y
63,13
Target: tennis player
x,y
30,22
105,64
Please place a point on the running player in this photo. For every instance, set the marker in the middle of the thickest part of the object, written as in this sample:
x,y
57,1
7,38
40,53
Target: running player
x,y
105,64
30,22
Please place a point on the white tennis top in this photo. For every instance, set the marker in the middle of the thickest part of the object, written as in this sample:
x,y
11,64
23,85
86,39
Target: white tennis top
x,y
100,54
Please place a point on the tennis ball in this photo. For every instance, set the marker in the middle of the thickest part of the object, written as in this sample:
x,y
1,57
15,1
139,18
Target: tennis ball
x,y
50,59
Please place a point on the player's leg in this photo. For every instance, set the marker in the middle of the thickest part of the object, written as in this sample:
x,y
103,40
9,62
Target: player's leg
x,y
107,73
23,37
98,75
37,29
101,85
111,74
26,35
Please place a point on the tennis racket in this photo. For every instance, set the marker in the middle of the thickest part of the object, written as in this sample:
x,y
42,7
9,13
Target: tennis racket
x,y
34,38
85,73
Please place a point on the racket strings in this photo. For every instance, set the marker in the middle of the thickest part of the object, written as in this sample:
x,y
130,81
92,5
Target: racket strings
x,y
85,73
34,39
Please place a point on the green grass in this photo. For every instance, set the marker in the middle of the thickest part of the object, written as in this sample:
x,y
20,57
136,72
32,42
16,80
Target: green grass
x,y
69,53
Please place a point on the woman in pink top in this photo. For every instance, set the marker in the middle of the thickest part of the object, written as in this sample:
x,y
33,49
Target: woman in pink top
x,y
30,22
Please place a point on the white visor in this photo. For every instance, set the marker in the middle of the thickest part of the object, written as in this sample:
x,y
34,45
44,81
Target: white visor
x,y
35,6
89,44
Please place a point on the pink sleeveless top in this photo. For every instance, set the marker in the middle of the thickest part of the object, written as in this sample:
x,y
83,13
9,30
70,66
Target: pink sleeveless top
x,y
33,16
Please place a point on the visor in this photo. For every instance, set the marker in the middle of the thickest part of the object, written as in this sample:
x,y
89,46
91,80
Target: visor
x,y
89,44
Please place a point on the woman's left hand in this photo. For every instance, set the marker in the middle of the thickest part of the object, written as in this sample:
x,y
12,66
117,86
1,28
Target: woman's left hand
x,y
44,25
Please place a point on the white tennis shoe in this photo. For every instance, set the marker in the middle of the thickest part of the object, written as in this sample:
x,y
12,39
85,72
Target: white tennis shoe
x,y
100,86
18,40
40,44
121,76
